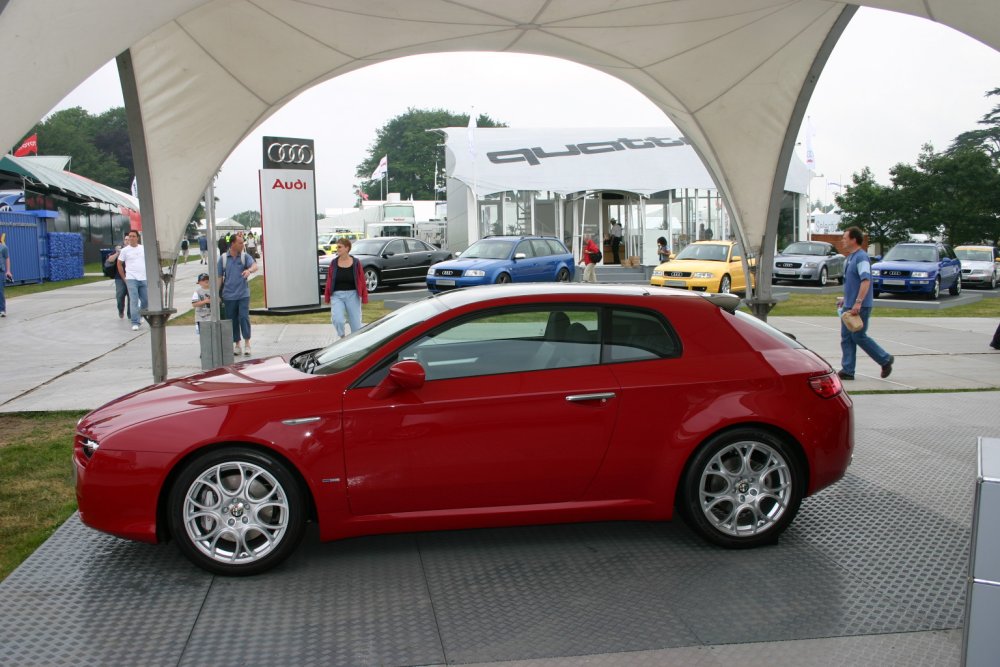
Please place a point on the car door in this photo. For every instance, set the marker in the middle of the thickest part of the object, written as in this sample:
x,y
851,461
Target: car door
x,y
526,269
950,267
738,276
834,263
395,261
500,420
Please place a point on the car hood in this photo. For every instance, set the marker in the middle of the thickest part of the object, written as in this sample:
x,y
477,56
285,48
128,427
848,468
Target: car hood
x,y
905,266
976,264
237,383
466,263
798,258
693,265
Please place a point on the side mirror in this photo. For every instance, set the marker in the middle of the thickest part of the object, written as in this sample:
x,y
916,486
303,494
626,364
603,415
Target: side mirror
x,y
387,255
458,254
878,258
520,255
408,374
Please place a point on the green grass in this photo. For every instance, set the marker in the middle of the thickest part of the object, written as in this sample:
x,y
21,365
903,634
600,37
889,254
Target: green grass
x,y
825,305
36,483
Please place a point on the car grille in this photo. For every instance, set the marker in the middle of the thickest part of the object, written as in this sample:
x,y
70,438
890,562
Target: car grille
x,y
448,273
677,274
896,274
788,265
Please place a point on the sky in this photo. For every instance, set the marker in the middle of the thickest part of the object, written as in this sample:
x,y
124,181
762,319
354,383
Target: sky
x,y
892,84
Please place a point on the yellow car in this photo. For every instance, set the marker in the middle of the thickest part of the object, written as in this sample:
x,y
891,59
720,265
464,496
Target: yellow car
x,y
704,266
327,243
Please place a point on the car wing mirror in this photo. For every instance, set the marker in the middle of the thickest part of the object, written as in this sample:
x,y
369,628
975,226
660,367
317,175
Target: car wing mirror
x,y
520,255
407,374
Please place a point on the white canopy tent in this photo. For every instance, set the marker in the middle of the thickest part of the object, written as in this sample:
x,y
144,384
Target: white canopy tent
x,y
199,75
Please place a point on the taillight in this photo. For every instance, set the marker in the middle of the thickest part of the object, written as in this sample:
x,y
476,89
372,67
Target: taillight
x,y
826,386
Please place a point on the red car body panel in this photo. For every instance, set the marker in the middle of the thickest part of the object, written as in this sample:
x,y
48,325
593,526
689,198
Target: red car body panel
x,y
503,449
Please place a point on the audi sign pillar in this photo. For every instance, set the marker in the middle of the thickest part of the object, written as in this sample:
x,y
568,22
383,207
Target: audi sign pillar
x,y
288,224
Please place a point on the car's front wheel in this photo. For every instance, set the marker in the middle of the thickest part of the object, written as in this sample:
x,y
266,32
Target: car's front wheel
x,y
993,281
371,279
563,275
236,511
742,489
936,290
956,289
503,279
726,286
822,277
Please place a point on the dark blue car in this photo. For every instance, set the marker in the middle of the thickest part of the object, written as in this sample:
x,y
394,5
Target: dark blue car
x,y
918,268
504,259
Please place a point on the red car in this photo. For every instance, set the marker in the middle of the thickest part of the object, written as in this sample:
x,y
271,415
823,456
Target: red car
x,y
488,406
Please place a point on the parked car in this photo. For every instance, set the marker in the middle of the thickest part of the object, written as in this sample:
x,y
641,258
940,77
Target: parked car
x,y
810,261
389,260
704,266
505,259
980,265
326,244
488,406
917,268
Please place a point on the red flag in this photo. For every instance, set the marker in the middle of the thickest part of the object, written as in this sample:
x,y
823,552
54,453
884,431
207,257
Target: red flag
x,y
29,146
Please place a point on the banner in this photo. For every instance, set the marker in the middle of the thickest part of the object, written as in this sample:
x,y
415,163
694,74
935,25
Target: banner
x,y
29,146
382,169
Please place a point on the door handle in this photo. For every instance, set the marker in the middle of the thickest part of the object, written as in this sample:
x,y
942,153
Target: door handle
x,y
601,396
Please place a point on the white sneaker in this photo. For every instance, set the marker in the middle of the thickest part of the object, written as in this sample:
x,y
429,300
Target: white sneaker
x,y
135,327
236,351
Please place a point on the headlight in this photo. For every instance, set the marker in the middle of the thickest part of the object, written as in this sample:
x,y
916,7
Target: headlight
x,y
810,265
430,271
702,274
475,273
919,274
876,272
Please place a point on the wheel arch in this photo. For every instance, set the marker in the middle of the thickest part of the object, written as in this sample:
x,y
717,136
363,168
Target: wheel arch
x,y
781,434
162,530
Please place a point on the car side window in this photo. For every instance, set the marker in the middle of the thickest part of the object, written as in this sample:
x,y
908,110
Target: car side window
x,y
395,247
415,245
636,336
556,248
737,254
525,247
540,248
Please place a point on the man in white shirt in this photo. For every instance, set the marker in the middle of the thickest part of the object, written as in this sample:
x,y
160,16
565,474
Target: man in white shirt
x,y
616,240
132,268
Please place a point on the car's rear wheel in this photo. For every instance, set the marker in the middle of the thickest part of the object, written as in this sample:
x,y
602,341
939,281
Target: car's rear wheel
x,y
726,285
371,279
956,289
563,275
742,489
936,291
236,511
822,277
503,278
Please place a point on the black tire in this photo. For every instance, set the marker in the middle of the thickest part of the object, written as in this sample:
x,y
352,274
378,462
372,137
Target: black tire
x,y
563,275
503,279
725,285
876,294
956,289
372,279
840,280
936,292
823,277
741,489
993,281
266,511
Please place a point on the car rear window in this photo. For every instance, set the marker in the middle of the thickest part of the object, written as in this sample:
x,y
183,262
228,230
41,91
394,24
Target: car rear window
x,y
759,334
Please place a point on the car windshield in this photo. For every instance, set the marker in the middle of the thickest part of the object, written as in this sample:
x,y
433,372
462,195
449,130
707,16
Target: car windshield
x,y
975,254
326,239
368,247
351,349
713,252
911,253
817,249
489,249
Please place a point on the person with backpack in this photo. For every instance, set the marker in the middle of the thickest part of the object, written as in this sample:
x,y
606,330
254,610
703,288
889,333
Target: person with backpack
x,y
185,248
234,269
121,289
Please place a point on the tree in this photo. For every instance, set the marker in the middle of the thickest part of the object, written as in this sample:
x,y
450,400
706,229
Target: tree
x,y
247,218
98,145
413,151
871,206
987,138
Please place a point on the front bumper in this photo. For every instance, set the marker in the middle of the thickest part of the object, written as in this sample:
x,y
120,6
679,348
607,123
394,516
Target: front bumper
x,y
693,284
804,274
435,284
904,285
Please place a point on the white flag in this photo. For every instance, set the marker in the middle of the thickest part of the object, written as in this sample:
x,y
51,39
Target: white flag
x,y
382,169
135,187
472,134
810,153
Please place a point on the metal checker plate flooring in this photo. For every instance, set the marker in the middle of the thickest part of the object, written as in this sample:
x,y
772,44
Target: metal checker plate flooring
x,y
873,571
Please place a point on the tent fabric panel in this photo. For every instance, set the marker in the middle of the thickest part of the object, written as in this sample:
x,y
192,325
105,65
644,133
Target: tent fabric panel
x,y
68,182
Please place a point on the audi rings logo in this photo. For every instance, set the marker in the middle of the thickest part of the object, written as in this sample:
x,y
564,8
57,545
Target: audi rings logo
x,y
288,153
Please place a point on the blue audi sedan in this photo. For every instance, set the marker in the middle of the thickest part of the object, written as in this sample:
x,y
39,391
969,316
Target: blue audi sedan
x,y
918,268
504,259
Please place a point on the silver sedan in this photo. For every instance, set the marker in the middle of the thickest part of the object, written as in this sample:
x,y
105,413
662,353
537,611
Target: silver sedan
x,y
809,261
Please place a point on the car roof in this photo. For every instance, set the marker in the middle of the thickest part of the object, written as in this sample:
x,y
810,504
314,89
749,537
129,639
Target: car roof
x,y
508,237
485,293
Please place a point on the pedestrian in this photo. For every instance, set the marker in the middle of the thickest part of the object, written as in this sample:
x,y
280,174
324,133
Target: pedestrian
x,y
201,301
591,256
235,268
616,240
7,275
662,251
252,245
223,244
121,289
185,247
346,288
203,248
132,269
995,343
858,300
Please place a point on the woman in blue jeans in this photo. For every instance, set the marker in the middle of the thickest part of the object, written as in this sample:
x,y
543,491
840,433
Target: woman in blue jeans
x,y
346,289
